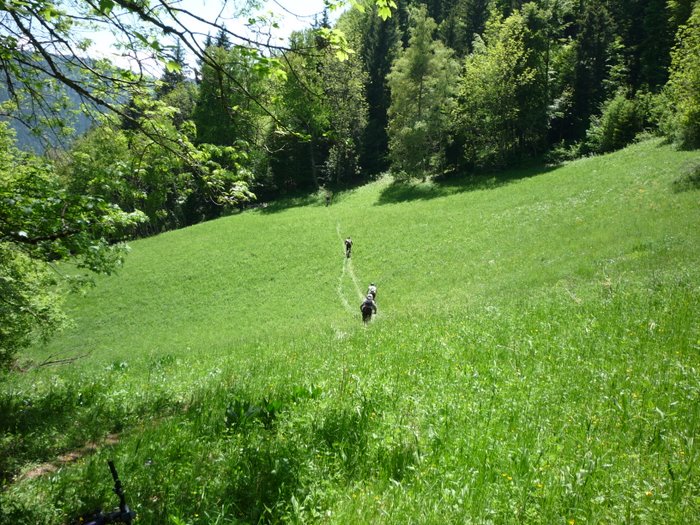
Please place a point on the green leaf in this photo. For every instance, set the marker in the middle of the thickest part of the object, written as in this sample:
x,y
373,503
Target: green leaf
x,y
141,38
384,8
152,43
106,7
173,67
49,12
358,5
279,74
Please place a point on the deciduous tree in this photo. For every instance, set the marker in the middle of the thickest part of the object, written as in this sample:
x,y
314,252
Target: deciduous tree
x,y
501,114
682,122
42,222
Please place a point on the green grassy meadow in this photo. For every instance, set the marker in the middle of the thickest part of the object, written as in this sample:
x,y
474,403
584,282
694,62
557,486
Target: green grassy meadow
x,y
535,359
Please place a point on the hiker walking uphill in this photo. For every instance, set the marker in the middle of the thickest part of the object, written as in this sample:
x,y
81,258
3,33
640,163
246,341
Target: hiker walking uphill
x,y
348,247
372,290
368,307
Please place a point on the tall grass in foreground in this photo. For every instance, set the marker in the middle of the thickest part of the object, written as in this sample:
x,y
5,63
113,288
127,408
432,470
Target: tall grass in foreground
x,y
535,360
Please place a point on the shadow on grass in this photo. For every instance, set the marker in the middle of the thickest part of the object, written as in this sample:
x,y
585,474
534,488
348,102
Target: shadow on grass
x,y
40,428
445,186
273,467
286,203
689,179
310,197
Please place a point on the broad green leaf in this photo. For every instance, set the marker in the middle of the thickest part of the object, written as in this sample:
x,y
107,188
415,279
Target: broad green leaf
x,y
358,5
106,7
173,67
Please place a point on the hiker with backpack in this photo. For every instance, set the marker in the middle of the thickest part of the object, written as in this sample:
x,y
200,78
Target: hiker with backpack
x,y
348,247
368,307
372,290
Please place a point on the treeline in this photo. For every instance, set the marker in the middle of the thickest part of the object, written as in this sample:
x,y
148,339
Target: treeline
x,y
440,87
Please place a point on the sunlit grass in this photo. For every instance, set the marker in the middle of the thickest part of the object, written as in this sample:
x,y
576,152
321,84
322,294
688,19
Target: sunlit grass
x,y
535,359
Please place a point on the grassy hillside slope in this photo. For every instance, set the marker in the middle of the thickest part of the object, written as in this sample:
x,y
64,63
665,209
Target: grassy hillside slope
x,y
535,359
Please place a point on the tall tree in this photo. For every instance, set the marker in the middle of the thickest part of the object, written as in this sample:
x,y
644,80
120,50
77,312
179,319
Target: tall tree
x,y
683,89
322,103
175,89
464,20
174,72
301,147
422,82
594,42
222,39
644,31
213,113
344,91
680,11
507,7
162,173
377,41
655,46
501,115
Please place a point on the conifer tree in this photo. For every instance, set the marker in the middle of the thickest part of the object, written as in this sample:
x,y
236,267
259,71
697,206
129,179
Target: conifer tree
x,y
377,41
174,72
594,43
422,83
463,21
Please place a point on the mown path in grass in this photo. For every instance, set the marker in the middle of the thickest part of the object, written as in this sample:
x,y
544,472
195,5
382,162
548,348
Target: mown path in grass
x,y
349,271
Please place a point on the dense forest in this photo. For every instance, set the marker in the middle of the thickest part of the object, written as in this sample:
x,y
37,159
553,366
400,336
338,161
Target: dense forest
x,y
439,87
435,88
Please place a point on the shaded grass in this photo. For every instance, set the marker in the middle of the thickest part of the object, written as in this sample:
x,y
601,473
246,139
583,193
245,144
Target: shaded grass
x,y
397,192
690,177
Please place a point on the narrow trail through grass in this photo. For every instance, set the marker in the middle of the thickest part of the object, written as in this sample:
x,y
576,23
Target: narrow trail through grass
x,y
69,457
343,299
347,270
351,272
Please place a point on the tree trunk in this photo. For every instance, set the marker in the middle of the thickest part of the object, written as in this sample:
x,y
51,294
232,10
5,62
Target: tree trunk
x,y
312,157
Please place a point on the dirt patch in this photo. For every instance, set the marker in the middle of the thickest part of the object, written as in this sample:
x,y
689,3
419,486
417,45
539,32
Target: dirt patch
x,y
69,457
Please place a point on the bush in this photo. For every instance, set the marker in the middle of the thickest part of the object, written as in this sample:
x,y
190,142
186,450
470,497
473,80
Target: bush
x,y
689,178
620,121
562,152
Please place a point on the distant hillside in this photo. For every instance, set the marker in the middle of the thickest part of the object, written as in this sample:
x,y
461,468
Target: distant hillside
x,y
41,138
28,140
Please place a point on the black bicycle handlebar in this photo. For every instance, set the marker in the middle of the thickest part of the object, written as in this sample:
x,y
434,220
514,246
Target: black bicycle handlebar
x,y
124,515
